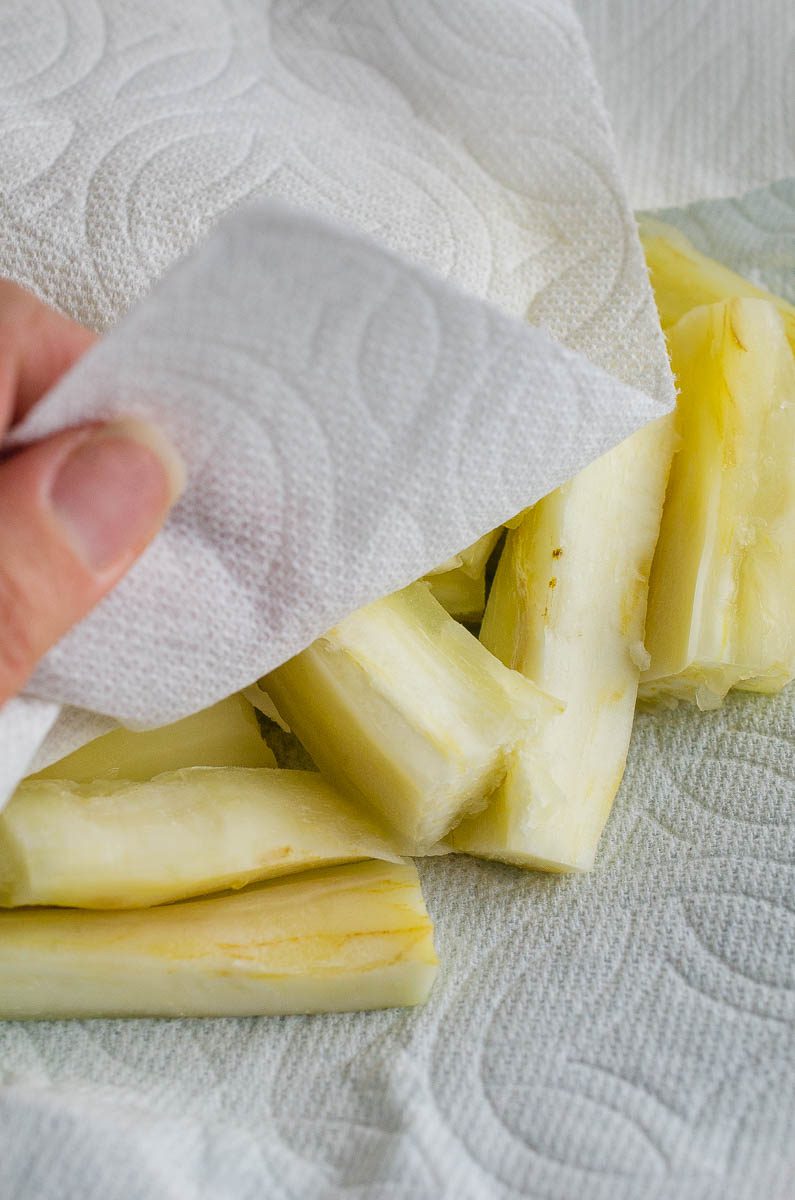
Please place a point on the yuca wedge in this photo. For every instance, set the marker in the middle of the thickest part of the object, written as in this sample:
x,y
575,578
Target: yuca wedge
x,y
567,609
117,844
341,938
225,735
472,561
722,596
459,594
460,583
403,708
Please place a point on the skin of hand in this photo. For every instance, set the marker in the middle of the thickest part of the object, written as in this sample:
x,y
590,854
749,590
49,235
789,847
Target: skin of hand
x,y
77,508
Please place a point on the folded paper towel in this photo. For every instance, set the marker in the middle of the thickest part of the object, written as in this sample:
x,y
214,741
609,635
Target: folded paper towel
x,y
348,418
348,421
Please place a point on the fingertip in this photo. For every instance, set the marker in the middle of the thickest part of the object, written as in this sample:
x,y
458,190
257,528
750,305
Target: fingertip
x,y
154,438
112,492
76,511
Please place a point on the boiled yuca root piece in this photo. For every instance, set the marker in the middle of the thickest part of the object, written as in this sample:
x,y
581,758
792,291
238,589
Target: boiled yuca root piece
x,y
566,609
225,735
684,278
341,938
722,593
459,594
460,583
405,709
472,561
116,844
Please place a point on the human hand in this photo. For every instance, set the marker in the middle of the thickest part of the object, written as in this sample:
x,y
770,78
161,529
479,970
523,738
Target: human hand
x,y
76,509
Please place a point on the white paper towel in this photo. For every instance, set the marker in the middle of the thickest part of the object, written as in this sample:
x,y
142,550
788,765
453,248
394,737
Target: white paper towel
x,y
700,94
348,421
623,1036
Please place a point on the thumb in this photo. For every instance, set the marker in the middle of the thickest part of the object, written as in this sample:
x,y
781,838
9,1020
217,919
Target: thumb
x,y
76,510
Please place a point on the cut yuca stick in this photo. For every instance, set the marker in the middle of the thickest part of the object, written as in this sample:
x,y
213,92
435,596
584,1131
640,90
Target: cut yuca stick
x,y
405,709
342,938
472,561
115,844
722,594
683,278
460,583
263,703
459,594
567,608
226,735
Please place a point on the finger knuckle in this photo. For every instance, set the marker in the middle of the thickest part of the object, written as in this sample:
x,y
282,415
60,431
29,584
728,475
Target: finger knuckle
x,y
17,651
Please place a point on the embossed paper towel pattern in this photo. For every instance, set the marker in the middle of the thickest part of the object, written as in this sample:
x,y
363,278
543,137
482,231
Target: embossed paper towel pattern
x,y
700,94
348,420
471,139
468,137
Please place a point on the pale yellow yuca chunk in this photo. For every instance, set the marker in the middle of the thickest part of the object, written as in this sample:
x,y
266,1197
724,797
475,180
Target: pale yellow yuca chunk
x,y
459,594
567,609
226,735
341,938
405,709
684,278
472,561
460,583
722,597
116,844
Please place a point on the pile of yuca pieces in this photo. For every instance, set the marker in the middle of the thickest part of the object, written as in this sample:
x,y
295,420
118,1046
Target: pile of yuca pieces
x,y
182,871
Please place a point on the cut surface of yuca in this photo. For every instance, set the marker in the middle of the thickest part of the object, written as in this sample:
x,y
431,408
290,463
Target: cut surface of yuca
x,y
567,609
403,708
118,844
225,735
336,939
722,595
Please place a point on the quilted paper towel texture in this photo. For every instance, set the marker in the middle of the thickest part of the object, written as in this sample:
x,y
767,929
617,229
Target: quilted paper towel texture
x,y
348,420
700,94
469,138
